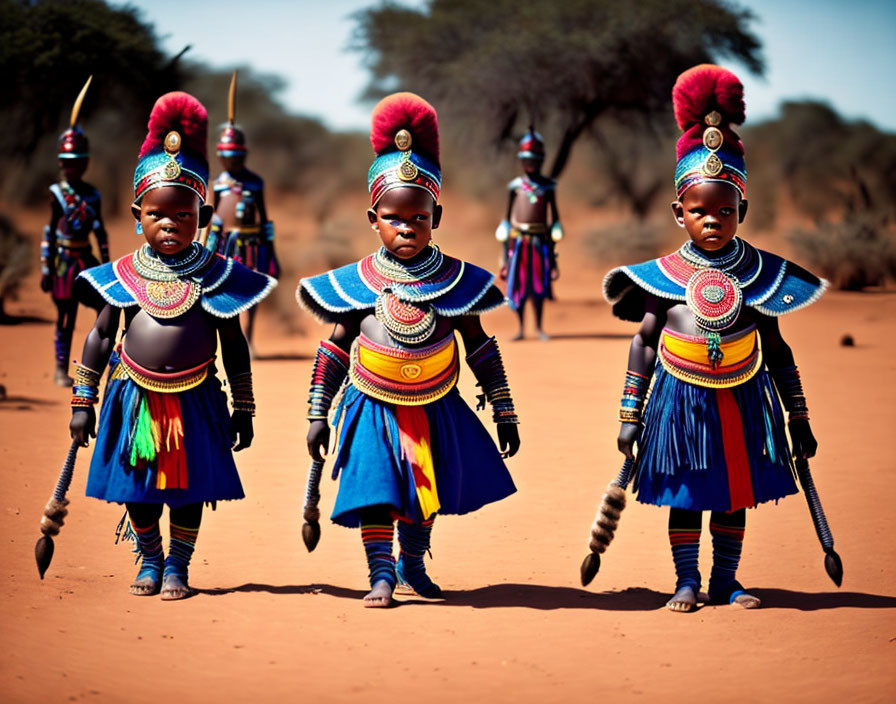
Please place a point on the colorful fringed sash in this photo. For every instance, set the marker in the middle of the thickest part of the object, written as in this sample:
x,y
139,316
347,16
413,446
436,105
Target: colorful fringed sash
x,y
404,377
157,428
690,358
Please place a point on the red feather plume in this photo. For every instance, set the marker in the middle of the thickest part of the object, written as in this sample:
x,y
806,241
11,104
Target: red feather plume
x,y
405,111
700,90
180,112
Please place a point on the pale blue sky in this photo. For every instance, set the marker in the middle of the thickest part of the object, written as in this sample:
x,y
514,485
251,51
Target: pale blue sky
x,y
840,51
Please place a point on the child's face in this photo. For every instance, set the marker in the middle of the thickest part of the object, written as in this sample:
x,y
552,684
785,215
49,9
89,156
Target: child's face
x,y
171,217
73,169
404,219
710,212
531,166
233,164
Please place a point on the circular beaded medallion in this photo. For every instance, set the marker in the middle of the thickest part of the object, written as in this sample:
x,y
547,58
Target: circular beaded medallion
x,y
405,322
714,298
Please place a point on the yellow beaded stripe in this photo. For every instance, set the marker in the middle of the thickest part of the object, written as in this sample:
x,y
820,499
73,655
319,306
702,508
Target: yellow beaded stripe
x,y
687,360
179,381
401,376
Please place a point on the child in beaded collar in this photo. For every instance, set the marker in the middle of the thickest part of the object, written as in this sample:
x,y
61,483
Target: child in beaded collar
x,y
408,447
712,434
165,434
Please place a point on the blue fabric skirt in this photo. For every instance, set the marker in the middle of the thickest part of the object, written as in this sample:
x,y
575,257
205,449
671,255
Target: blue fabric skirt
x,y
212,474
469,469
689,458
529,270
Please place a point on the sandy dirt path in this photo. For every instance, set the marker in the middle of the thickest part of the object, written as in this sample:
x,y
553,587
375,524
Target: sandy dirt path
x,y
273,623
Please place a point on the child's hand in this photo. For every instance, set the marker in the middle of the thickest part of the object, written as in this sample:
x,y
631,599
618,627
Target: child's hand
x,y
83,425
804,443
628,436
508,439
555,274
46,283
241,431
503,273
318,439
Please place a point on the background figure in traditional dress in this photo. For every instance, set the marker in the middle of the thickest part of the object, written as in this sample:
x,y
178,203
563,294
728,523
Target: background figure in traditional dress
x,y
240,227
529,234
65,250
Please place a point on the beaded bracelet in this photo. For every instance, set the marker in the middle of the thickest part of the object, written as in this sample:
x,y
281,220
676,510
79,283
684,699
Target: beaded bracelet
x,y
267,230
86,389
330,370
488,368
241,394
790,388
45,252
633,394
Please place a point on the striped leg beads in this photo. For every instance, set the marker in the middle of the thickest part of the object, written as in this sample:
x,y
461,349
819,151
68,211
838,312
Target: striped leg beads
x,y
180,550
377,539
727,542
149,578
413,539
684,537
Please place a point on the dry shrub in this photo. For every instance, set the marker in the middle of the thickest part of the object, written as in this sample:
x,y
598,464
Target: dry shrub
x,y
15,259
857,252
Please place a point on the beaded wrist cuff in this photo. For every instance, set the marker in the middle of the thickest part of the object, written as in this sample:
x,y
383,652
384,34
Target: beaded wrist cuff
x,y
488,368
633,395
790,388
268,231
86,389
241,394
330,370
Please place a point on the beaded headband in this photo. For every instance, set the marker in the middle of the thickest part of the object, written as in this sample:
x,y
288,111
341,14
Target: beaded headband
x,y
73,142
707,100
173,153
405,137
531,146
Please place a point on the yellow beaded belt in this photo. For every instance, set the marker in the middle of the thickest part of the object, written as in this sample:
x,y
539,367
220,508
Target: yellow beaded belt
x,y
532,229
161,382
405,377
688,357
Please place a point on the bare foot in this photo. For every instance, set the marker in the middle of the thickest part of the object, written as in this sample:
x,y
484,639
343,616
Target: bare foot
x,y
683,600
379,597
146,584
61,378
519,336
543,336
746,601
175,588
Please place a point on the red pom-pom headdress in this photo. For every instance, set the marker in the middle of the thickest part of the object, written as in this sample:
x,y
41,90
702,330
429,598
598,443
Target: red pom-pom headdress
x,y
707,100
404,132
174,151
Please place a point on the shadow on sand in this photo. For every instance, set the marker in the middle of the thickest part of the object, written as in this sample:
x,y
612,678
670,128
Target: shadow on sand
x,y
545,598
23,403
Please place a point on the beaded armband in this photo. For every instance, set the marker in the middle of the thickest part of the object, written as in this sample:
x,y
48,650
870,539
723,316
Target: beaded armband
x,y
330,370
86,389
790,388
241,395
45,252
268,231
488,368
213,237
633,395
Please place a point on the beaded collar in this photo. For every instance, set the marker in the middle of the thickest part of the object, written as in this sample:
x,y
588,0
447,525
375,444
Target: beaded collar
x,y
742,262
430,277
165,287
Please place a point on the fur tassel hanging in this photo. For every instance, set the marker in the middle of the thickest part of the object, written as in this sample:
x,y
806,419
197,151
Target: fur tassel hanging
x,y
603,530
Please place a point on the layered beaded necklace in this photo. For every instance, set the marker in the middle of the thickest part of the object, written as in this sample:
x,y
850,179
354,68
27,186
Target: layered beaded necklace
x,y
165,287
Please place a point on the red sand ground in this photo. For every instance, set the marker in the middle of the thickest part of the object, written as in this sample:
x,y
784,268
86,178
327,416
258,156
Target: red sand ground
x,y
274,623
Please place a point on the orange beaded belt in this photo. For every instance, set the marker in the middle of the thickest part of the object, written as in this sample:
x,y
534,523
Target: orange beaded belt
x,y
405,377
160,382
689,358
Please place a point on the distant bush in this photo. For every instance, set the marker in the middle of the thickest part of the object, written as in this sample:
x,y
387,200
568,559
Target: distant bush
x,y
627,242
857,252
15,260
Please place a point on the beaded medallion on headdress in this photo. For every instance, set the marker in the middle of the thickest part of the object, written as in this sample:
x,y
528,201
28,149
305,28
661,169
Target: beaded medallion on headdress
x,y
707,100
174,151
405,137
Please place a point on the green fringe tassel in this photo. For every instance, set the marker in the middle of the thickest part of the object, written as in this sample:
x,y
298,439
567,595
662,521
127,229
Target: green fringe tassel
x,y
143,444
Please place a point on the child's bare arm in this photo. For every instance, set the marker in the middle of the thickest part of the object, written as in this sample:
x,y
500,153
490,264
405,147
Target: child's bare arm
x,y
779,360
485,361
330,368
641,360
238,367
94,357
